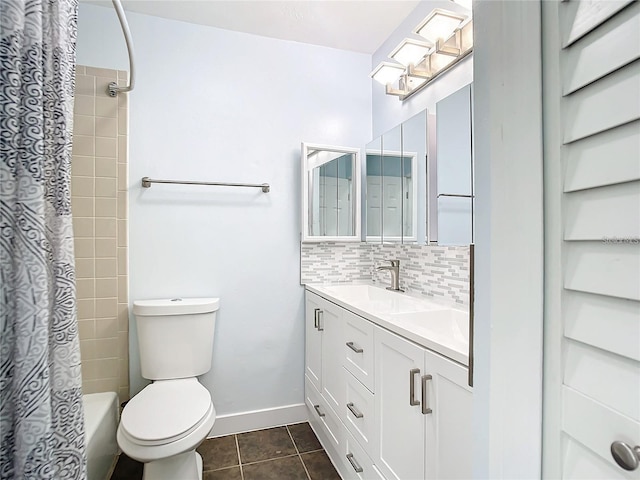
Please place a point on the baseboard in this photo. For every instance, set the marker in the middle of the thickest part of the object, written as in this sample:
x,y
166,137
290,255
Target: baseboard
x,y
258,419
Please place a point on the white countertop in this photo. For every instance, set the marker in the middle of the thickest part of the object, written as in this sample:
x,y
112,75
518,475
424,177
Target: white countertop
x,y
434,325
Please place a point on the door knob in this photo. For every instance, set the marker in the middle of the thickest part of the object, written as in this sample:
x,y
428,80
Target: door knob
x,y
626,456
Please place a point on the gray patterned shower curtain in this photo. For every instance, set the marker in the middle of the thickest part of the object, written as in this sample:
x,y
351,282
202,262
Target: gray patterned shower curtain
x,y
41,414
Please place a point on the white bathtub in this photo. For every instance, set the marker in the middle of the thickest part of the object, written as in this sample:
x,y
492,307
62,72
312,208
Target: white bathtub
x,y
101,415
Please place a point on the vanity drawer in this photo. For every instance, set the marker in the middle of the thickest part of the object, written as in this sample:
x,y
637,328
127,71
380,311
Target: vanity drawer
x,y
324,419
359,465
359,413
358,348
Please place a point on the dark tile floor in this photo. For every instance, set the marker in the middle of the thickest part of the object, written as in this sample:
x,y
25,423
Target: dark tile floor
x,y
283,453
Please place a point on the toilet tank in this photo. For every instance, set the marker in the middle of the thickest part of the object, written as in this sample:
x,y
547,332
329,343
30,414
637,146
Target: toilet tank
x,y
175,336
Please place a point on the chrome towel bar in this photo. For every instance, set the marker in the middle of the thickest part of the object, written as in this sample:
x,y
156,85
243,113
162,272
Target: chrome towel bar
x,y
146,183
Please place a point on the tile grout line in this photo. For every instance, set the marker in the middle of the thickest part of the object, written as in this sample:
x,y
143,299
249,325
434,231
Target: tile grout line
x,y
298,452
239,459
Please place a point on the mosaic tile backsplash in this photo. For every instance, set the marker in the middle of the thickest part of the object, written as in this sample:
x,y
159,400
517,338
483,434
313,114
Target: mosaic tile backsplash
x,y
435,271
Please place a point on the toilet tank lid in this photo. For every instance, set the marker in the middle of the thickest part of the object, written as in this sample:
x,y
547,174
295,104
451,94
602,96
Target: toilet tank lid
x,y
175,306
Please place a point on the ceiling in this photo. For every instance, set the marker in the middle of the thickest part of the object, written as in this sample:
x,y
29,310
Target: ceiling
x,y
357,25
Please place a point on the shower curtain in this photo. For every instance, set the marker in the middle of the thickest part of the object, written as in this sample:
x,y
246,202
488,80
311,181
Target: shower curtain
x,y
41,414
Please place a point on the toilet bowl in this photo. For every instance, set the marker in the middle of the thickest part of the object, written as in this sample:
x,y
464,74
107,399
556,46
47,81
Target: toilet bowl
x,y
164,423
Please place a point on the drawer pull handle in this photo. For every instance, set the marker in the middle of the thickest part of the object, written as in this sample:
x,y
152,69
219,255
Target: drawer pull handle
x,y
353,463
412,387
316,311
317,407
353,410
425,409
320,320
354,348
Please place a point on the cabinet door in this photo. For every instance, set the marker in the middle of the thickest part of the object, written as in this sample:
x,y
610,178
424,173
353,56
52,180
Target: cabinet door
x,y
330,325
449,423
399,452
313,341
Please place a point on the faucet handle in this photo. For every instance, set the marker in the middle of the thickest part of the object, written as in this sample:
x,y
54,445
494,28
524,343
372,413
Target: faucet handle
x,y
394,263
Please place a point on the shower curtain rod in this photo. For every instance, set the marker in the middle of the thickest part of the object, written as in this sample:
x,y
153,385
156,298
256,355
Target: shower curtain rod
x,y
113,89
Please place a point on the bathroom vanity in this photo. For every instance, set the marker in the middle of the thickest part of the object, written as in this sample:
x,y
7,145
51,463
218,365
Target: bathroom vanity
x,y
386,383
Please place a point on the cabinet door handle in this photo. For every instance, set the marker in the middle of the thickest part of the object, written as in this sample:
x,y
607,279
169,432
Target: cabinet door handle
x,y
315,317
425,410
626,456
412,387
353,410
355,349
320,320
353,463
317,407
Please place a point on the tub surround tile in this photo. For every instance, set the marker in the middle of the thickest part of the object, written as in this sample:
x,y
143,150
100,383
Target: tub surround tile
x,y
100,134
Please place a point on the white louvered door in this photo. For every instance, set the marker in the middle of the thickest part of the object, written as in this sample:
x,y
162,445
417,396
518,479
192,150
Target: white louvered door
x,y
591,102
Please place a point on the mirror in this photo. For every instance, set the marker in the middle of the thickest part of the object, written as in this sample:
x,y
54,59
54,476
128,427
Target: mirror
x,y
393,183
330,193
373,187
455,197
414,146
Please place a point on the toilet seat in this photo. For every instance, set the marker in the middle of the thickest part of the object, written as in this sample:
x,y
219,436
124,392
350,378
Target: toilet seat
x,y
166,411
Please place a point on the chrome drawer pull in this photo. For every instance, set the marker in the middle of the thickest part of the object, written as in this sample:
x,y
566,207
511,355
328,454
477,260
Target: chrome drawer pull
x,y
316,311
412,387
353,410
425,410
320,320
355,349
317,407
353,463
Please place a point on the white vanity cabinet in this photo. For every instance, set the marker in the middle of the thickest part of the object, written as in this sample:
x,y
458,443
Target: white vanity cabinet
x,y
324,375
423,409
383,406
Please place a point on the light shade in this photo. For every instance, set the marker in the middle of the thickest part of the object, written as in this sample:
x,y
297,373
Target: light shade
x,y
410,52
439,25
387,73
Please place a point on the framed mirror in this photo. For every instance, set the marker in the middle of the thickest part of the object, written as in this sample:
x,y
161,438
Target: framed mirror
x,y
455,193
330,193
392,185
373,188
391,190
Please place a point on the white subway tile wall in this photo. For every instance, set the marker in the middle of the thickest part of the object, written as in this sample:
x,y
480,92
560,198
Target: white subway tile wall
x,y
98,203
434,271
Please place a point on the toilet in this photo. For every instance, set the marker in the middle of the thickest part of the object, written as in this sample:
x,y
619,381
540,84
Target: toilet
x,y
164,423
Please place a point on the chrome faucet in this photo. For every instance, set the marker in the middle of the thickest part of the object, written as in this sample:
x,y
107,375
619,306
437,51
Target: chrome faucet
x,y
394,269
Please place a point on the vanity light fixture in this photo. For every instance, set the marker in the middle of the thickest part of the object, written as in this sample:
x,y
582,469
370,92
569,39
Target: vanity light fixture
x,y
450,38
439,25
410,52
387,73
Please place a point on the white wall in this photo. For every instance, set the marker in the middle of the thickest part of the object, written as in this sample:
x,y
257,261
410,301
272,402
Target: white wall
x,y
388,111
216,105
509,241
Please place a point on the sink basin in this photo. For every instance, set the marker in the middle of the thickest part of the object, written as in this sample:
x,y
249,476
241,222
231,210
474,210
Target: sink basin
x,y
445,323
379,299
